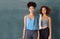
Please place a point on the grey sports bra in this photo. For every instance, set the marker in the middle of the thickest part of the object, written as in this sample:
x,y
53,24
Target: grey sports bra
x,y
45,22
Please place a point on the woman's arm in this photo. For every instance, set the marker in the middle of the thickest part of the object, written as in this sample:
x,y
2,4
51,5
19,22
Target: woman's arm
x,y
24,29
50,28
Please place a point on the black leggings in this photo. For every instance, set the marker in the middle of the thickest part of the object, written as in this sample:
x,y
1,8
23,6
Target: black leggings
x,y
44,33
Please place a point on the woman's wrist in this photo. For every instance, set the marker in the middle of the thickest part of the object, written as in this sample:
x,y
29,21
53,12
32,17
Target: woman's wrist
x,y
50,35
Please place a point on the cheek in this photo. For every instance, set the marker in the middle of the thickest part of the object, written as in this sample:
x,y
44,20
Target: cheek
x,y
43,11
31,10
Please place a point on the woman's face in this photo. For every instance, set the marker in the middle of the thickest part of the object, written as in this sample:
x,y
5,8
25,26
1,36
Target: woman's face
x,y
31,9
43,10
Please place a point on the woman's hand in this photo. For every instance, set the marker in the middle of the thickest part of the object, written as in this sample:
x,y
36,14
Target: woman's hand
x,y
50,37
37,37
23,37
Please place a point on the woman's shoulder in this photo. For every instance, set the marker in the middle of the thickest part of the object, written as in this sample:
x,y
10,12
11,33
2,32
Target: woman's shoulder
x,y
49,17
25,16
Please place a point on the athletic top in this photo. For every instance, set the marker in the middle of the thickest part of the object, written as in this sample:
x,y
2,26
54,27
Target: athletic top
x,y
30,25
44,22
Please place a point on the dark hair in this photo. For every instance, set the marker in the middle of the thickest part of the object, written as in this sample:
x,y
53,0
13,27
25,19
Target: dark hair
x,y
48,10
31,4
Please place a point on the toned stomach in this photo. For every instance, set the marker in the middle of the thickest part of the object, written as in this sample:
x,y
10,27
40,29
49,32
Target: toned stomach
x,y
43,27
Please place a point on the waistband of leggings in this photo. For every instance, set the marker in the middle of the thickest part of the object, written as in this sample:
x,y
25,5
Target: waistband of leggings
x,y
45,28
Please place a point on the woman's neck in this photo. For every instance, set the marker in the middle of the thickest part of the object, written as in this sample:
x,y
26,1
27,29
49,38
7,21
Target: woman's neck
x,y
44,15
32,14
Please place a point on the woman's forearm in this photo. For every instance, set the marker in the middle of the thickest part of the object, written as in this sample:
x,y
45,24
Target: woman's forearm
x,y
24,32
38,35
50,31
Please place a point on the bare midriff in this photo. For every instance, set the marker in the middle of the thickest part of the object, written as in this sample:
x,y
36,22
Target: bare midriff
x,y
43,27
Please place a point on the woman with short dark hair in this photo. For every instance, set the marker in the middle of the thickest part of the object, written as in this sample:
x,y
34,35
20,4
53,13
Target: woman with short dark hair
x,y
30,30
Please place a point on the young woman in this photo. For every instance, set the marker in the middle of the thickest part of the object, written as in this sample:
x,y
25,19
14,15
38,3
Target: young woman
x,y
30,30
46,28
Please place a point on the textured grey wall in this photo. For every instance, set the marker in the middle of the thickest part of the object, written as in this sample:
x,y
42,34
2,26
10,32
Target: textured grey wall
x,y
13,11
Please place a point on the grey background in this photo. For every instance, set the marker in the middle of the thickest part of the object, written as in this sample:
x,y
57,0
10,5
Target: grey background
x,y
13,11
